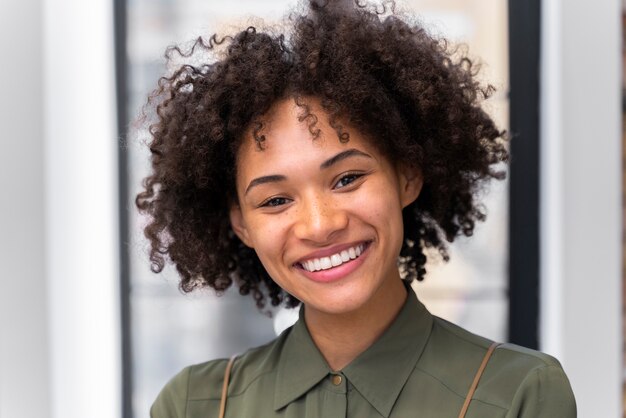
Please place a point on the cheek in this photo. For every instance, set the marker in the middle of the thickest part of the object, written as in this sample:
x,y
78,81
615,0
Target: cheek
x,y
269,238
380,204
381,208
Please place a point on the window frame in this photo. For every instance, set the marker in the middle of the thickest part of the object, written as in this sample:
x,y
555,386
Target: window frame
x,y
524,228
524,171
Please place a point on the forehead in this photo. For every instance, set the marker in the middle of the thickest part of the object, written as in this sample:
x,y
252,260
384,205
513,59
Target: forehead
x,y
292,130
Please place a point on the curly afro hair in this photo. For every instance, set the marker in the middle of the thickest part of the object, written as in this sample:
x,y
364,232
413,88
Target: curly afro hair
x,y
369,66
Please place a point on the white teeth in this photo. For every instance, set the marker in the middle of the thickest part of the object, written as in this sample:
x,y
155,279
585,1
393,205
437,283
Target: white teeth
x,y
317,265
324,263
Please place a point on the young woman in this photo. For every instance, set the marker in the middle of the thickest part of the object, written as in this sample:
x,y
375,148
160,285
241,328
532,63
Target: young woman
x,y
316,165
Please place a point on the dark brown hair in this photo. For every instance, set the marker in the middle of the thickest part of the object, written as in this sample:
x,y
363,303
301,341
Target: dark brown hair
x,y
372,68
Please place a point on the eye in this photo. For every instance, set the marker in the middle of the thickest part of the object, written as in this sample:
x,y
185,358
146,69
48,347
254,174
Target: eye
x,y
347,179
274,202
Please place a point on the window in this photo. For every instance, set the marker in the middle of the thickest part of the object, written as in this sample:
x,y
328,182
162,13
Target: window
x,y
168,330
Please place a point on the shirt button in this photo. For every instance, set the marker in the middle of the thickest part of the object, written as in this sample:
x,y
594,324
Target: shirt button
x,y
336,379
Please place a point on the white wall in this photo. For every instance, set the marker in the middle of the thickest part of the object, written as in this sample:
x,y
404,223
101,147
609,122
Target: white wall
x,y
581,198
59,345
81,206
24,390
59,325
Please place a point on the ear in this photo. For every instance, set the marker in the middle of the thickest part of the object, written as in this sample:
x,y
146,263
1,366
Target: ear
x,y
411,181
239,225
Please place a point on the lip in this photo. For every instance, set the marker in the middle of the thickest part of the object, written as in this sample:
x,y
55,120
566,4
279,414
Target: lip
x,y
335,273
332,250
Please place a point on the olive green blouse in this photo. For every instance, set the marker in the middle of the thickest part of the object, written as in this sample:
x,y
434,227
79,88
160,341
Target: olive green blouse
x,y
422,366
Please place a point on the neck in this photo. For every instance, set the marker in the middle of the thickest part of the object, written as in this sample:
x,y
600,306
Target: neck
x,y
342,337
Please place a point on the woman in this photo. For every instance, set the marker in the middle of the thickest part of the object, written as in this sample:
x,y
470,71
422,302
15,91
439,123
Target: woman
x,y
317,167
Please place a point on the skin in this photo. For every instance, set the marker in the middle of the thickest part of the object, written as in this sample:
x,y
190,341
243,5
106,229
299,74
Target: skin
x,y
297,200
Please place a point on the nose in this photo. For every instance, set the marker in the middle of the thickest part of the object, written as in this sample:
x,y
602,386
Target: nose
x,y
320,220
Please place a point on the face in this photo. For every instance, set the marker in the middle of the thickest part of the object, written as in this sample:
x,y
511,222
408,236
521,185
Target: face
x,y
324,217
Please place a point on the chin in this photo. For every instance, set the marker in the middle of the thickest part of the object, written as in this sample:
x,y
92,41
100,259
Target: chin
x,y
338,303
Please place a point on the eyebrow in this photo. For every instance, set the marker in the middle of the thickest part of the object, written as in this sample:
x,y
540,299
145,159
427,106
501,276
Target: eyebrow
x,y
352,152
275,178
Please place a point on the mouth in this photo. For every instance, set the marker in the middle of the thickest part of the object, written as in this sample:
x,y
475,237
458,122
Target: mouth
x,y
334,260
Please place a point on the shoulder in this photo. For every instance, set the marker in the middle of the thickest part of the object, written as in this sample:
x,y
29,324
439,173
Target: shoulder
x,y
459,344
172,400
206,378
528,383
203,381
512,379
452,355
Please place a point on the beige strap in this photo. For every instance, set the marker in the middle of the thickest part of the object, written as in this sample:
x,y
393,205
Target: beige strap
x,y
479,373
229,366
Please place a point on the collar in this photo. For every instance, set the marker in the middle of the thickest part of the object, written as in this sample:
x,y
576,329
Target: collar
x,y
379,373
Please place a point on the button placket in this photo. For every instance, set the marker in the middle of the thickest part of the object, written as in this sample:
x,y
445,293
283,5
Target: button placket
x,y
335,382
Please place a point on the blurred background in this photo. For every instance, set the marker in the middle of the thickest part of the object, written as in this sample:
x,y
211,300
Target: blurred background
x,y
86,330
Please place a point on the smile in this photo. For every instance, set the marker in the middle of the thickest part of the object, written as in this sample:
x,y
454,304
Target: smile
x,y
334,260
